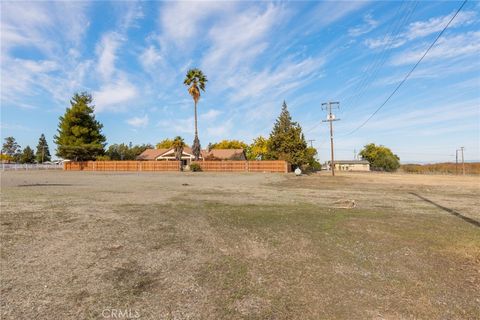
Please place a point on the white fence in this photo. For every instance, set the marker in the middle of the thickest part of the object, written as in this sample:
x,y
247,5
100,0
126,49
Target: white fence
x,y
30,166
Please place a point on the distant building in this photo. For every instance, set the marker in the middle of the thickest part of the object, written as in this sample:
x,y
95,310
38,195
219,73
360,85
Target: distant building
x,y
351,165
187,155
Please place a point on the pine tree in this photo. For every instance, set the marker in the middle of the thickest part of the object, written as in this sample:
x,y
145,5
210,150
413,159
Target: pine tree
x,y
42,154
27,155
11,149
287,141
79,134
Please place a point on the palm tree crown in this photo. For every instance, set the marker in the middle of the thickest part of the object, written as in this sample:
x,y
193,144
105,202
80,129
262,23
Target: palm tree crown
x,y
178,145
196,81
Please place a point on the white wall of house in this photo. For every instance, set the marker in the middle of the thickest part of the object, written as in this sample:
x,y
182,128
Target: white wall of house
x,y
352,166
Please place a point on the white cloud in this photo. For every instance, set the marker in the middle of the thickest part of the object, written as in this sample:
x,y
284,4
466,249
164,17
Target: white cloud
x,y
114,96
210,115
180,21
276,82
423,118
433,25
138,122
106,51
388,41
241,38
446,48
42,24
368,25
220,131
329,12
133,12
150,58
419,29
178,126
26,77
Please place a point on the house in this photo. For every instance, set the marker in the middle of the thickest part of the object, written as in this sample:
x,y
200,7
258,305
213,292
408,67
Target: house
x,y
351,165
187,155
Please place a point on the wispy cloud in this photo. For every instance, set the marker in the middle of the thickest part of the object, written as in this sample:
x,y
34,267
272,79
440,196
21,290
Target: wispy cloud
x,y
138,122
150,58
240,39
180,21
368,25
107,54
329,12
447,47
210,115
420,29
275,82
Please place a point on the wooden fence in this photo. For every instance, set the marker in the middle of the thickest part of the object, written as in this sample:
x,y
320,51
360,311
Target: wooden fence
x,y
122,166
208,166
244,166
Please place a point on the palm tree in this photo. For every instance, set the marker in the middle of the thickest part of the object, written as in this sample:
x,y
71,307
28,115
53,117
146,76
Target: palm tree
x,y
195,80
178,145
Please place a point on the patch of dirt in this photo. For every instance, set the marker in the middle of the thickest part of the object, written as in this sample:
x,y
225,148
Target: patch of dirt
x,y
238,246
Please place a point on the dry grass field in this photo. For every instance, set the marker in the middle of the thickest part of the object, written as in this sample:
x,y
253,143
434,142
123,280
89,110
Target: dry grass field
x,y
86,245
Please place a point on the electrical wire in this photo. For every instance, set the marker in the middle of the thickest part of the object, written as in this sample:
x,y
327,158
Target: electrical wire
x,y
410,72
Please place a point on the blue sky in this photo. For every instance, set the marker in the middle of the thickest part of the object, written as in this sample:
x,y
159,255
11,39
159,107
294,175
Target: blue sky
x,y
132,56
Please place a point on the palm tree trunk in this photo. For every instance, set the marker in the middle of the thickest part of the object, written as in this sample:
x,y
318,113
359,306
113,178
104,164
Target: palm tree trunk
x,y
196,148
196,130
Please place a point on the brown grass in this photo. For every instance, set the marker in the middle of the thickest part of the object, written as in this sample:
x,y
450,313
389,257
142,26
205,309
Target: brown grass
x,y
238,246
442,168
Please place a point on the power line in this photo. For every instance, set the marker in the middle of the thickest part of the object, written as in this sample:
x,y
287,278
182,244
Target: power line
x,y
388,39
410,72
388,42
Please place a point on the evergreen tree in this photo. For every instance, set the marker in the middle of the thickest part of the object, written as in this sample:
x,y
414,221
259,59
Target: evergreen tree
x,y
287,141
11,149
27,156
42,154
79,134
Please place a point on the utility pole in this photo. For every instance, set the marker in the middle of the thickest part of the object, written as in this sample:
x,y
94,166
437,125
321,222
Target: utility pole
x,y
354,154
463,162
311,142
456,162
330,118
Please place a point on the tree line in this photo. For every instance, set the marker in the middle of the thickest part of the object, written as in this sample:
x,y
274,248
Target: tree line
x,y
12,151
79,137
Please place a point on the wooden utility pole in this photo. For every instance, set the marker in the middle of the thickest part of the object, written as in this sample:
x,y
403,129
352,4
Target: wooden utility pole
x,y
330,118
311,142
456,162
463,161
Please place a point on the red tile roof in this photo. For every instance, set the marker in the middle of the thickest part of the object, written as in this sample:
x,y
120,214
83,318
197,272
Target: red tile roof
x,y
222,154
227,154
151,154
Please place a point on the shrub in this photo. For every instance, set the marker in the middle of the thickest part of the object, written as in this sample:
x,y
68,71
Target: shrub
x,y
195,167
